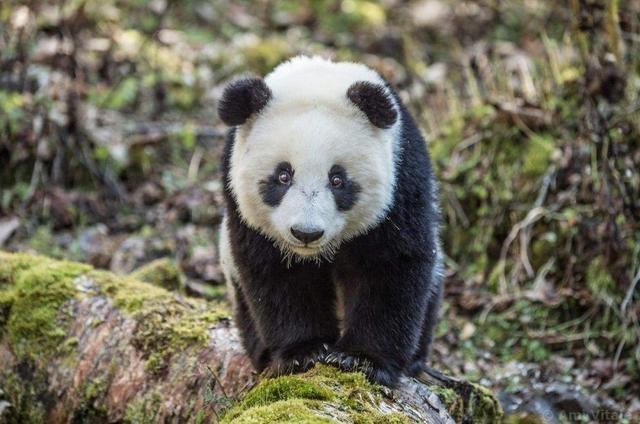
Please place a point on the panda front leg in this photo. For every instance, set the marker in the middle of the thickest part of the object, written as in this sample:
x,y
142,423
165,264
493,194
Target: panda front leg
x,y
294,314
385,308
251,340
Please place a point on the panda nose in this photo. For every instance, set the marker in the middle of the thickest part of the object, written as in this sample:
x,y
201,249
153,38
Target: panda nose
x,y
306,235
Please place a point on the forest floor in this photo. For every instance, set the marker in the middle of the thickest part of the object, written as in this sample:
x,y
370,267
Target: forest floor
x,y
110,147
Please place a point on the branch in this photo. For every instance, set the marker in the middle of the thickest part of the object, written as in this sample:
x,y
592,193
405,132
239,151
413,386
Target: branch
x,y
82,345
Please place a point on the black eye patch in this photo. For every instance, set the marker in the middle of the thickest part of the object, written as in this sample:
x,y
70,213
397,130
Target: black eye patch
x,y
347,194
271,190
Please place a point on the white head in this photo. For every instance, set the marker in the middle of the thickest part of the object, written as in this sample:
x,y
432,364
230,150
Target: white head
x,y
313,159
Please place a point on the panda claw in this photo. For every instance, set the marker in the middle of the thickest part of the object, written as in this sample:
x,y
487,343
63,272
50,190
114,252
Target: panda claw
x,y
374,372
296,363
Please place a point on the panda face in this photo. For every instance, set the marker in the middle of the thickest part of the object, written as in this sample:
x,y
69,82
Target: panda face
x,y
310,178
313,161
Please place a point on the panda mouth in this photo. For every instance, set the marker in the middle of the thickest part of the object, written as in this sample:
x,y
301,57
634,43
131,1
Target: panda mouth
x,y
306,249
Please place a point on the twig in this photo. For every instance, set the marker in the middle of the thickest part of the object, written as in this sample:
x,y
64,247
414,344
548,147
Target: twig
x,y
625,319
194,164
533,215
218,382
629,294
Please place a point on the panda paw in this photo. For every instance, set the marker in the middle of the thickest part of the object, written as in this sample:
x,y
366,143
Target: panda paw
x,y
296,361
416,368
375,372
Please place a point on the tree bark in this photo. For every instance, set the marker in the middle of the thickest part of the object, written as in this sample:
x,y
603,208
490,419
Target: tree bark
x,y
81,345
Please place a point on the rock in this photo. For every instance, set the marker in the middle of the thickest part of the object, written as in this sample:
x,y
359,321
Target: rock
x,y
540,407
204,264
7,227
205,290
508,401
96,247
163,273
430,13
129,256
570,399
130,352
195,205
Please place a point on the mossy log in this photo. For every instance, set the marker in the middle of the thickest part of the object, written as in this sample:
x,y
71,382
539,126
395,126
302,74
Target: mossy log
x,y
82,345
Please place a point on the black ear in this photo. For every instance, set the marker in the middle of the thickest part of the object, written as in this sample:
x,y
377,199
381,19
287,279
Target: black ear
x,y
375,102
241,99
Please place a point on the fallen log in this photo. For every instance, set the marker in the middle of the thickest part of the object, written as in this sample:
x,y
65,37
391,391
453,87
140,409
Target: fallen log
x,y
83,345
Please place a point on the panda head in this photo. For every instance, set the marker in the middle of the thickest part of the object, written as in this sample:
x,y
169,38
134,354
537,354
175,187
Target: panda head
x,y
313,159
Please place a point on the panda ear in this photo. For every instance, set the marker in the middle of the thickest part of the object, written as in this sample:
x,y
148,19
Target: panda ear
x,y
242,99
375,102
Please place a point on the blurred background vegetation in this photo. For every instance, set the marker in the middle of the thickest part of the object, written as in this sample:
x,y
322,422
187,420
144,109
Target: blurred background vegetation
x,y
110,147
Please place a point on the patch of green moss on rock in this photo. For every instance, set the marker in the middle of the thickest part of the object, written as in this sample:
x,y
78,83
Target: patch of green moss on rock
x,y
451,400
284,388
127,293
290,411
35,289
91,409
162,272
483,406
524,419
143,409
24,394
31,298
469,402
166,323
308,397
163,330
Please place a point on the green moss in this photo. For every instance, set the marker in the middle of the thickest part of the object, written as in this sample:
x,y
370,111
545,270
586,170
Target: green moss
x,y
91,408
127,293
10,264
162,273
165,324
284,388
451,400
40,286
469,403
523,419
483,406
95,388
43,242
307,398
291,411
599,280
164,329
24,394
537,155
143,409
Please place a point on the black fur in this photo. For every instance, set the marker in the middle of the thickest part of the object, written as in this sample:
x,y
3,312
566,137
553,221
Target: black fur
x,y
386,275
346,195
271,190
373,100
243,98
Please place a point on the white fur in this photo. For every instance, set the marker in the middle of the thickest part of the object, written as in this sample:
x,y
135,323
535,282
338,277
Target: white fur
x,y
310,123
437,273
229,267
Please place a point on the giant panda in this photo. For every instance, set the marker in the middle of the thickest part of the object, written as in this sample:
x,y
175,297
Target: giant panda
x,y
329,241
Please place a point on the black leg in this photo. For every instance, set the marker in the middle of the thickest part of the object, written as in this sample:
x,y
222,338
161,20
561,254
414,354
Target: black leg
x,y
256,349
295,313
385,306
419,362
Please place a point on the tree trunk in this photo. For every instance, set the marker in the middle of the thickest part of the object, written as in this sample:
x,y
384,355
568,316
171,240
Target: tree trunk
x,y
81,345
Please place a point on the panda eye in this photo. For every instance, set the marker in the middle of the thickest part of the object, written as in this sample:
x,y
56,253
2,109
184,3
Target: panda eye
x,y
284,177
336,181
